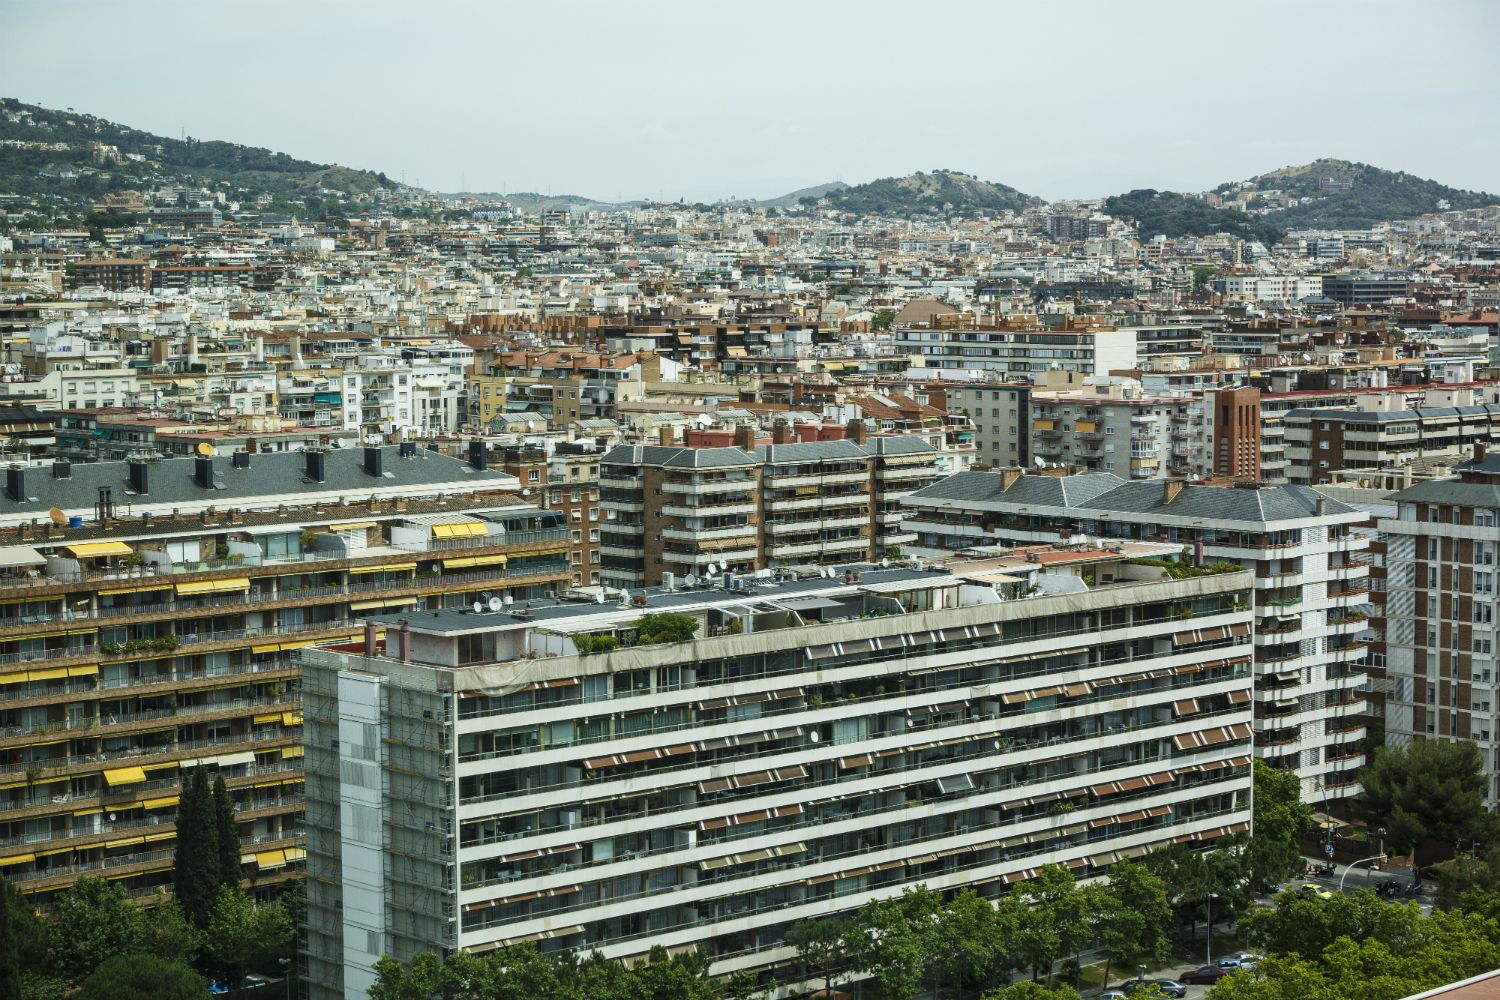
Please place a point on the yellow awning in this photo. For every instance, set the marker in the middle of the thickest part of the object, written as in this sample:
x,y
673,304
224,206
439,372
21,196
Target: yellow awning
x,y
125,842
49,674
267,717
269,647
125,775
87,812
291,718
387,602
544,552
93,550
54,851
87,670
271,859
143,588
296,853
213,586
291,751
17,859
475,561
384,568
353,526
152,838
161,803
458,529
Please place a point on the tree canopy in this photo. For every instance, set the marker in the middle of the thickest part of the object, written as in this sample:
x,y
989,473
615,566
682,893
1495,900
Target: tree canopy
x,y
142,976
1426,789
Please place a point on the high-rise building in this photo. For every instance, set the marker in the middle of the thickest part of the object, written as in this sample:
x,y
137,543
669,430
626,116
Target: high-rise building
x,y
1311,584
482,779
148,629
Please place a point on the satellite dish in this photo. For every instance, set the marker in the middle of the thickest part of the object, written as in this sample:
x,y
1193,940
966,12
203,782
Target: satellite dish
x,y
599,597
690,580
1040,463
814,736
507,600
884,563
206,450
495,604
58,517
477,607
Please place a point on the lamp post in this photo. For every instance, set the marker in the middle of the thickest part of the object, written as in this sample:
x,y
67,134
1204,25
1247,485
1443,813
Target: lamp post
x,y
1353,865
286,975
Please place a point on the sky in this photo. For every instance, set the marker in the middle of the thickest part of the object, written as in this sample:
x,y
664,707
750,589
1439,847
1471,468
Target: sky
x,y
706,100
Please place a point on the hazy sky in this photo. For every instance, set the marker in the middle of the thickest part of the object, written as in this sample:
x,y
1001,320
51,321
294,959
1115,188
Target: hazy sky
x,y
706,100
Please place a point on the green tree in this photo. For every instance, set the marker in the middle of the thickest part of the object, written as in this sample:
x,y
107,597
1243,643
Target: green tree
x,y
227,834
1136,917
1033,991
167,933
1274,854
665,626
1427,788
968,938
829,948
242,937
92,922
142,976
12,913
883,319
898,935
196,871
1058,903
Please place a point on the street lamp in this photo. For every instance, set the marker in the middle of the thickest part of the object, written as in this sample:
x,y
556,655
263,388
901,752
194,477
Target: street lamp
x,y
1353,865
286,975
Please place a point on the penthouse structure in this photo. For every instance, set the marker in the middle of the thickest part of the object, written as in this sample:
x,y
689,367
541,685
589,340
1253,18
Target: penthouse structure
x,y
148,628
535,774
1437,615
1311,591
673,511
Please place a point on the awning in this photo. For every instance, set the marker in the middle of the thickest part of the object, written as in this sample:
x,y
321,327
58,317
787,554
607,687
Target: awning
x,y
475,561
138,589
270,859
224,586
266,717
17,859
291,751
384,568
125,775
47,674
291,718
458,529
21,555
95,550
388,602
1210,737
161,803
352,526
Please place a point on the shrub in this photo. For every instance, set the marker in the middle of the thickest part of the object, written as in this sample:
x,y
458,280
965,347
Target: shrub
x,y
666,626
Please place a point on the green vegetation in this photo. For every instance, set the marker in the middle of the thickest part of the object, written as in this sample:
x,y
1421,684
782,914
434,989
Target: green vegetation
x,y
942,192
666,626
245,171
1349,195
142,976
588,643
1167,213
1428,789
524,973
1182,569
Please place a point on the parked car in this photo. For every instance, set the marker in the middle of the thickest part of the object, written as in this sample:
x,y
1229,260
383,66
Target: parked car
x,y
1244,960
1170,987
1315,890
1206,976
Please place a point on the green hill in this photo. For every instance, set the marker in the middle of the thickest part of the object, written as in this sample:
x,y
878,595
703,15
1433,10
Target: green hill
x,y
1345,195
938,193
58,154
1167,213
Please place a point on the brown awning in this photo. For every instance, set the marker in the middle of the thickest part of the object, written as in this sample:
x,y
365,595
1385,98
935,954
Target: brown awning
x,y
1210,737
1187,706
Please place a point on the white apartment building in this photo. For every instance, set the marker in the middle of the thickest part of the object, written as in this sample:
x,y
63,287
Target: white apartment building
x,y
475,781
1271,287
88,388
1311,596
1021,353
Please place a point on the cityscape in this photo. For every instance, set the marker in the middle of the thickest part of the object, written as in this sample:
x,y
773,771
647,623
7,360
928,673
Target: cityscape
x,y
1066,576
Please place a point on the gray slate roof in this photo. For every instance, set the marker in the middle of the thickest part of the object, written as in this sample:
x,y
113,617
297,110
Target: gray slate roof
x,y
678,457
270,475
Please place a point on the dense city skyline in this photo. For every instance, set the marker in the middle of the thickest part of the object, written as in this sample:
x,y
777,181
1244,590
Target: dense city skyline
x,y
809,95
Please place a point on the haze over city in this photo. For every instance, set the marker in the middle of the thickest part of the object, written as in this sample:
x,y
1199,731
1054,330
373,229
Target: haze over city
x,y
706,101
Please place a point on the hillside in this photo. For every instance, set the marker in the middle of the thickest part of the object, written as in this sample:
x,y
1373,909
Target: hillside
x,y
794,198
47,152
1167,213
940,192
1338,194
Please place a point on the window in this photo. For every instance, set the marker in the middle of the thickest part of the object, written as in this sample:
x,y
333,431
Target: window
x,y
1484,583
533,476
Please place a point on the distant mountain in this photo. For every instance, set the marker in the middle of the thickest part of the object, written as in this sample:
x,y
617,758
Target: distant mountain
x,y
794,198
531,201
1167,213
1343,195
940,192
50,152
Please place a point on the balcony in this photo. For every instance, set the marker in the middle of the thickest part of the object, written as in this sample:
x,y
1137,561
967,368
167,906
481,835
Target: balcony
x,y
709,534
709,486
707,509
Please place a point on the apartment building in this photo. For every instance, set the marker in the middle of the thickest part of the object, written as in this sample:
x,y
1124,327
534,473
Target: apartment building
x,y
679,511
150,632
1287,288
1437,615
1311,592
1364,288
114,274
476,781
1109,426
566,481
1380,431
1021,353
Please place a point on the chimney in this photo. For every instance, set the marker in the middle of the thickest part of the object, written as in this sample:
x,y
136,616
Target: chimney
x,y
667,436
1170,488
782,433
476,454
251,446
1319,506
370,629
203,472
374,461
296,351
744,437
15,483
192,349
240,460
1478,451
1009,476
403,641
317,468
856,431
140,479
62,470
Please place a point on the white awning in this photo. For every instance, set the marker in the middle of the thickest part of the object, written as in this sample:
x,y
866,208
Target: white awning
x,y
21,555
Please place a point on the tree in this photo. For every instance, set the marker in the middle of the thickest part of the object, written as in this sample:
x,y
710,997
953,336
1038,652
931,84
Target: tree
x,y
898,942
167,933
241,937
883,319
1137,915
969,942
1058,904
1274,853
829,947
1428,788
227,834
1033,991
197,860
92,922
10,942
665,626
142,977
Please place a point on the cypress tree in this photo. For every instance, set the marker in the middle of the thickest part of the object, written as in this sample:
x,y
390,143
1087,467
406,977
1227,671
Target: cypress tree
x,y
228,835
197,862
10,946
